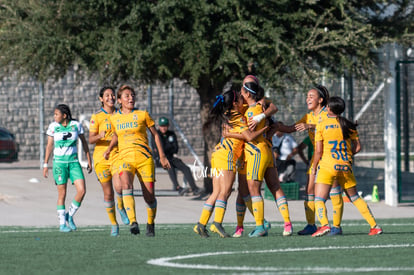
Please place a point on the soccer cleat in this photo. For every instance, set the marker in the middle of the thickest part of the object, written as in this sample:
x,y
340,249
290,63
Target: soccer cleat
x,y
308,230
134,229
70,221
239,232
322,231
335,231
124,216
288,229
259,231
201,230
266,225
64,229
115,230
375,231
218,228
150,230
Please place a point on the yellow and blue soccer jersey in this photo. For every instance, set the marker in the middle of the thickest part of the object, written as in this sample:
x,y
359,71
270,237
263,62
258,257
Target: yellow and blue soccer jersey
x,y
257,152
337,152
65,140
229,150
131,130
100,122
313,118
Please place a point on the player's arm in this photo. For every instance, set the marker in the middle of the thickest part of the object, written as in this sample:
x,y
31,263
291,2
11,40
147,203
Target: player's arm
x,y
49,148
163,159
246,135
86,150
112,144
94,137
269,110
356,146
300,149
317,155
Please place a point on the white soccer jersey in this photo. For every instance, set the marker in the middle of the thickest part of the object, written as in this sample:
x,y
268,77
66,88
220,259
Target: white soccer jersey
x,y
65,139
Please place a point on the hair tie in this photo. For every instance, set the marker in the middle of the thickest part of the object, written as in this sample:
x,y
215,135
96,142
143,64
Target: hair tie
x,y
218,99
250,90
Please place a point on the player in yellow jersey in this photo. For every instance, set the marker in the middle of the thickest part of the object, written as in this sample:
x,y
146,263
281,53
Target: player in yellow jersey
x,y
100,134
336,141
130,133
316,101
225,110
257,154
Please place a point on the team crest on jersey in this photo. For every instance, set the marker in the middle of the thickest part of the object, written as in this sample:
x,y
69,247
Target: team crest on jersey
x,y
249,114
92,121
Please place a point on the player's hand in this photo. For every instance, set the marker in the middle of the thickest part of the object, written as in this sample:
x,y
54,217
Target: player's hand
x,y
226,129
301,127
45,172
252,124
102,134
106,154
89,169
165,163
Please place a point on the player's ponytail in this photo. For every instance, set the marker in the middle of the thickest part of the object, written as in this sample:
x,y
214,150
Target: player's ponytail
x,y
221,111
337,106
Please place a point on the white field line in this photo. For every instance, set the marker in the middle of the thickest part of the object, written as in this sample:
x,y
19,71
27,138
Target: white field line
x,y
168,261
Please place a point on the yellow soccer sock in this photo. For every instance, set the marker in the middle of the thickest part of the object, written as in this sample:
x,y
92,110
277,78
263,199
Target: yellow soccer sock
x,y
337,205
152,211
248,201
310,209
206,213
282,205
363,208
129,204
119,201
241,211
321,211
258,209
220,207
110,209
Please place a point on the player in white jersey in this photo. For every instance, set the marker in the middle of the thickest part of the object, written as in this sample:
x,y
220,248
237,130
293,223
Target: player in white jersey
x,y
63,135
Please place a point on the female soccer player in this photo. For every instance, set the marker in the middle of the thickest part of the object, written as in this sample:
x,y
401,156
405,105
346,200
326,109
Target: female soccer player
x,y
316,101
100,133
227,110
130,133
257,154
336,141
63,135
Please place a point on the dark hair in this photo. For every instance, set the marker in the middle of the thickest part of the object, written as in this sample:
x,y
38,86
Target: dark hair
x,y
102,91
323,93
337,106
254,89
64,109
123,88
221,110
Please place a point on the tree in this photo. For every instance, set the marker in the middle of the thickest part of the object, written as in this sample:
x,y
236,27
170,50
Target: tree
x,y
208,43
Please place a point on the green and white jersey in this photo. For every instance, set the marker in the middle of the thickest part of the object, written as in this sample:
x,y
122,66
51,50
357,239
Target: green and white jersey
x,y
65,139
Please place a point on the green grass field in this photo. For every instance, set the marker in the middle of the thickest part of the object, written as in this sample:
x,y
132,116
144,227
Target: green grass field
x,y
177,249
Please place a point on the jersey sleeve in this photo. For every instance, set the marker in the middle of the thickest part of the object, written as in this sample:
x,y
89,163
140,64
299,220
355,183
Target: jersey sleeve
x,y
303,119
51,130
93,124
149,121
318,134
81,131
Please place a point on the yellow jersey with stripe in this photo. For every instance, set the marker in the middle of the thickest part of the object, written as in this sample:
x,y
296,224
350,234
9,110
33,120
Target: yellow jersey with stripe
x,y
257,152
337,151
229,150
131,130
313,118
100,121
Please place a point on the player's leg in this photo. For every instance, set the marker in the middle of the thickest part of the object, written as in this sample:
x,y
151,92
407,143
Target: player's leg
x,y
147,168
78,179
337,208
309,205
61,188
321,194
116,182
